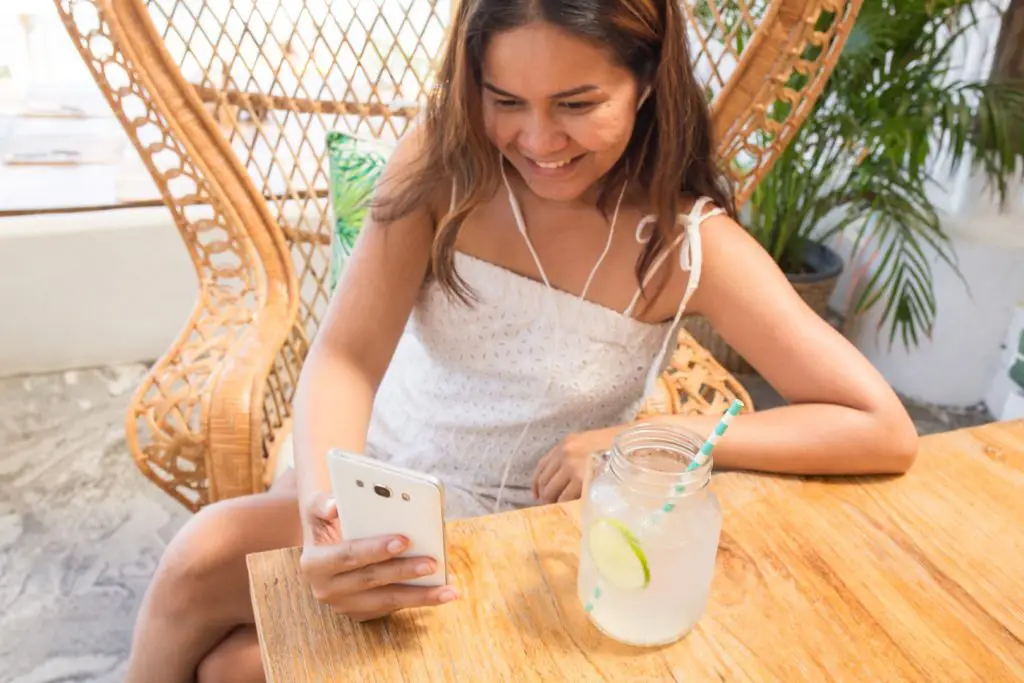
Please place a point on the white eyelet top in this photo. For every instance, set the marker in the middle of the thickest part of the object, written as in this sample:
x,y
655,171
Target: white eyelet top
x,y
478,394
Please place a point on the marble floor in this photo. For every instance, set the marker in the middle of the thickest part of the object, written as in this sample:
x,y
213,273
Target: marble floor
x,y
81,530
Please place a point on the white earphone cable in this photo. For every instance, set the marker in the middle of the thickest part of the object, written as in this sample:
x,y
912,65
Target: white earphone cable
x,y
521,224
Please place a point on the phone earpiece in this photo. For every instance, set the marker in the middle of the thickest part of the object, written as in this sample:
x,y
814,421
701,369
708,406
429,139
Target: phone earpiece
x,y
643,97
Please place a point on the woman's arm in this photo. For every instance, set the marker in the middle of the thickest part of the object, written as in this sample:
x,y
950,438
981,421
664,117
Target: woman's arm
x,y
842,417
359,334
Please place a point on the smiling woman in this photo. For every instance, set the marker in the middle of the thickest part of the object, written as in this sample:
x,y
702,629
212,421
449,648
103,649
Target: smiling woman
x,y
510,302
621,104
561,142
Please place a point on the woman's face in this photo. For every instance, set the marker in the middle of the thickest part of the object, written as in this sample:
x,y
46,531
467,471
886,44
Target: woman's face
x,y
557,107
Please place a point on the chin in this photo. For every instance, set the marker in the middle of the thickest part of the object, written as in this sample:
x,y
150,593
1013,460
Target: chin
x,y
558,192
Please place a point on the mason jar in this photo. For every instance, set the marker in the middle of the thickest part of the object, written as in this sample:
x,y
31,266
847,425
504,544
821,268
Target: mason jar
x,y
650,529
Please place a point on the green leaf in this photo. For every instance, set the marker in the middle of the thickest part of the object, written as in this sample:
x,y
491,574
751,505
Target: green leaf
x,y
1017,373
865,154
355,166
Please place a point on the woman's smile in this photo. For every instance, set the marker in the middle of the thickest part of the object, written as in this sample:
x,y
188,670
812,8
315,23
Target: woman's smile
x,y
554,169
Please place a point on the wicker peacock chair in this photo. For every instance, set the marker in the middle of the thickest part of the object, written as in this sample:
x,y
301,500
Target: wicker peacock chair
x,y
228,104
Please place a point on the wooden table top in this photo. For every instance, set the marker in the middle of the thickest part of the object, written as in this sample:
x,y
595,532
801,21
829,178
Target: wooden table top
x,y
914,578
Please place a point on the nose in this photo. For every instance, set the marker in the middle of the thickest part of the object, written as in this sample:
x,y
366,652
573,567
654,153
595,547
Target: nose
x,y
541,136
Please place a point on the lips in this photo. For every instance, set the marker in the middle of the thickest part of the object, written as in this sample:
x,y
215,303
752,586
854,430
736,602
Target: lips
x,y
554,167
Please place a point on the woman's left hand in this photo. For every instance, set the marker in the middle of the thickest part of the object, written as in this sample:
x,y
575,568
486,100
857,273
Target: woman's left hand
x,y
559,474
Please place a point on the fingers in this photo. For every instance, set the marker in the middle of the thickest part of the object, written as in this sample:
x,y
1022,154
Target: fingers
x,y
320,520
383,601
376,575
554,487
321,506
328,509
537,481
319,532
346,556
359,577
571,492
544,475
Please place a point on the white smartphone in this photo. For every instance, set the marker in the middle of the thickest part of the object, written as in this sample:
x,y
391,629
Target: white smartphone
x,y
379,499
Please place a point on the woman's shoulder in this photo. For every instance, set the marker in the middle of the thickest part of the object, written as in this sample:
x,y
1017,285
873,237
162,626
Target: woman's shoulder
x,y
408,166
691,209
696,208
719,231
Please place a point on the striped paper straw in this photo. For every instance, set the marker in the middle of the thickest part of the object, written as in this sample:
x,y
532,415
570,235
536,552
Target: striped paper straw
x,y
705,451
699,459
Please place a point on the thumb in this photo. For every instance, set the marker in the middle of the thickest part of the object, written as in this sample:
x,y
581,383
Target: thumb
x,y
319,519
328,508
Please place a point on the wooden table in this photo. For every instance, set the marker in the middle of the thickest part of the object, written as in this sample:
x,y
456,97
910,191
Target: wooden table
x,y
914,578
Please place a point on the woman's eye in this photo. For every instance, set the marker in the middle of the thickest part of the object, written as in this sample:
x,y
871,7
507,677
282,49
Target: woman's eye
x,y
573,106
578,106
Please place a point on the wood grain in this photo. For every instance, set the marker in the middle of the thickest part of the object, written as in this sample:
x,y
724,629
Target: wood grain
x,y
913,578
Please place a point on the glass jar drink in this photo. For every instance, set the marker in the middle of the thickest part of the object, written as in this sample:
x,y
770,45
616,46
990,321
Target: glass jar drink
x,y
650,537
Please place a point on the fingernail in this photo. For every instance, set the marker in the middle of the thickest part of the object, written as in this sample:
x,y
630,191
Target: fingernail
x,y
447,595
424,568
396,546
329,505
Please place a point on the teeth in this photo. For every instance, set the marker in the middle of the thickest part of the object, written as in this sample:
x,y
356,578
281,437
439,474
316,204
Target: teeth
x,y
553,164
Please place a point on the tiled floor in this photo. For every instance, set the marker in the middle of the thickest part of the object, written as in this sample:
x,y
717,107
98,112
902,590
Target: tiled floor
x,y
81,530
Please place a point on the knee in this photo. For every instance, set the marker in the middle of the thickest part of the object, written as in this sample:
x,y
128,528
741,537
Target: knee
x,y
201,553
208,555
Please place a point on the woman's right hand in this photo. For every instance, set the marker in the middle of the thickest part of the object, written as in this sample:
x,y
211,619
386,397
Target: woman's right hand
x,y
357,578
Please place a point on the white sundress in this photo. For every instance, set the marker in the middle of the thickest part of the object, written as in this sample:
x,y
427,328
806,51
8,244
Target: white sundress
x,y
476,395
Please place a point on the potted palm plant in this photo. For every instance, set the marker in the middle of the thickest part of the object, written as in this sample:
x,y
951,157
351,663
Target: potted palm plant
x,y
862,164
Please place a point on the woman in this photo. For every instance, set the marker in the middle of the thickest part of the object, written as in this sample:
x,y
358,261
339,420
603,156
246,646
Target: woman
x,y
537,241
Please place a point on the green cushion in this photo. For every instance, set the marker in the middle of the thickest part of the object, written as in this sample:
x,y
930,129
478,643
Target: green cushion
x,y
355,165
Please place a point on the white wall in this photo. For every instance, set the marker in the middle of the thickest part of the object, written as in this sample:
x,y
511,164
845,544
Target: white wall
x,y
965,356
964,362
90,289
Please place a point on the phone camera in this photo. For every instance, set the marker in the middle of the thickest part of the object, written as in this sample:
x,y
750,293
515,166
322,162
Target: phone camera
x,y
382,491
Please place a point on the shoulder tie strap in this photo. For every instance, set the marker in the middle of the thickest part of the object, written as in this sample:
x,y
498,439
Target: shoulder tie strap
x,y
690,260
686,259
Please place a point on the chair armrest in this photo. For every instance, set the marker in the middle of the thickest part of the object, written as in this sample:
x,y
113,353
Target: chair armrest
x,y
694,383
195,424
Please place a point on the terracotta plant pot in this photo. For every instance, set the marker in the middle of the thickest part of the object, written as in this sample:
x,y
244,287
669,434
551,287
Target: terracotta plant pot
x,y
815,287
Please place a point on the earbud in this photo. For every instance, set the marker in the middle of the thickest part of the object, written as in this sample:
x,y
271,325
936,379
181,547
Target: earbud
x,y
643,97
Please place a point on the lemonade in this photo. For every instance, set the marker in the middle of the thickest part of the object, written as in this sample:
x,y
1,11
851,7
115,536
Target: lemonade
x,y
644,572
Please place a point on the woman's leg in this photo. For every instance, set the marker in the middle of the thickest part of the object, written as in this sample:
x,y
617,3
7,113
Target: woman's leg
x,y
235,660
200,592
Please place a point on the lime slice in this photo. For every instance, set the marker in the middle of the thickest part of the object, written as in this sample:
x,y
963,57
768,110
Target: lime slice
x,y
617,555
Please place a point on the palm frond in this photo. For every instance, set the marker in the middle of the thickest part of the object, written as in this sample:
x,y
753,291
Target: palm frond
x,y
867,154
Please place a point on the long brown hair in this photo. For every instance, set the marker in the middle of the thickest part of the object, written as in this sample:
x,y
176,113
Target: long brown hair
x,y
671,150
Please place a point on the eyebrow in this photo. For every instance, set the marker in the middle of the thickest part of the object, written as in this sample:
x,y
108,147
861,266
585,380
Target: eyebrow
x,y
579,90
